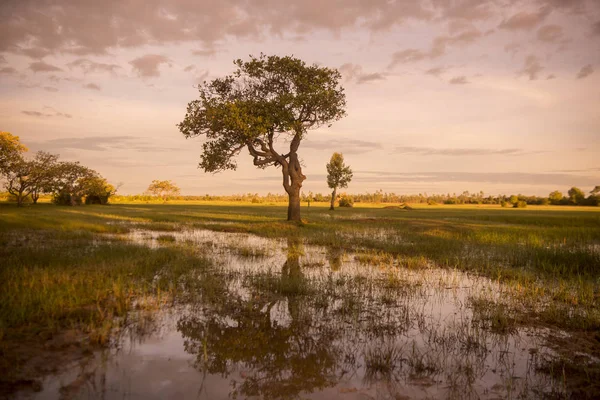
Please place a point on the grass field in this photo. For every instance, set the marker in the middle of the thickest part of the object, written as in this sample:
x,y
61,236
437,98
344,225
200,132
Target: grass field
x,y
64,269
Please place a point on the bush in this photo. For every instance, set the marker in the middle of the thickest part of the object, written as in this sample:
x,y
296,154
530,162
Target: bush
x,y
505,204
96,199
520,204
432,202
346,201
65,199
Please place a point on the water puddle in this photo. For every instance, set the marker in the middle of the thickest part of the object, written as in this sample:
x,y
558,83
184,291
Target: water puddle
x,y
280,319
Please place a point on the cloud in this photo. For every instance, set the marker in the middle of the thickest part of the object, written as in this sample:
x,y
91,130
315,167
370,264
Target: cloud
x,y
348,146
204,52
437,71
585,71
596,29
532,67
407,56
2,59
148,66
88,66
87,28
8,70
459,80
92,86
354,73
34,52
512,48
102,143
438,48
525,20
372,77
514,178
40,66
456,151
50,89
550,33
578,170
200,75
440,43
47,114
551,76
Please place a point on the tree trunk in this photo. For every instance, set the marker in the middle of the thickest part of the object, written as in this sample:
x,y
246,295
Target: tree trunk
x,y
333,195
35,196
294,203
20,199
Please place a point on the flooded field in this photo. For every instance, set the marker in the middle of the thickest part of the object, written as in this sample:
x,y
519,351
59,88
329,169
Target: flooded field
x,y
218,302
275,318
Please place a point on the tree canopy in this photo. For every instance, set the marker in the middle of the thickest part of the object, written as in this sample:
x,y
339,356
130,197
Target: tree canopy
x,y
267,98
11,150
163,189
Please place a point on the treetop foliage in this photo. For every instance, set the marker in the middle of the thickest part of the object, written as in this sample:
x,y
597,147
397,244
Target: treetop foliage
x,y
265,97
163,189
11,150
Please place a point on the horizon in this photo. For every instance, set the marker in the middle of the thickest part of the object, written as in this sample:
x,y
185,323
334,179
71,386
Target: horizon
x,y
443,97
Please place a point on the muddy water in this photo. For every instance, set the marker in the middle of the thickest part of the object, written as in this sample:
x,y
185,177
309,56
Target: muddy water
x,y
279,319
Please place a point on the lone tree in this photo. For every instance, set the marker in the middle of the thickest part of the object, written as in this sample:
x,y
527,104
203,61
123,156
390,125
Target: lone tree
x,y
163,189
267,98
339,175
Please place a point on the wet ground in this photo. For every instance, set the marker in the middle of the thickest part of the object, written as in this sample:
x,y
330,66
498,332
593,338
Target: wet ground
x,y
280,319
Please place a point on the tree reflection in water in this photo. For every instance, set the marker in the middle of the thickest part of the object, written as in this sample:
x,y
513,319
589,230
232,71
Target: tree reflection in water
x,y
278,353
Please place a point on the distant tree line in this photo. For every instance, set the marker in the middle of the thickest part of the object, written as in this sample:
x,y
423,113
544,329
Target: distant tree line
x,y
68,183
574,196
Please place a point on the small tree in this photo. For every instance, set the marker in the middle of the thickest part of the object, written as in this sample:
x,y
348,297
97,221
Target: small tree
x,y
520,204
70,183
555,197
98,190
266,98
163,189
18,182
339,175
44,172
576,195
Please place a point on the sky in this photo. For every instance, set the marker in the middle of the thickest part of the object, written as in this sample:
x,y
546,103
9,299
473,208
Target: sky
x,y
442,96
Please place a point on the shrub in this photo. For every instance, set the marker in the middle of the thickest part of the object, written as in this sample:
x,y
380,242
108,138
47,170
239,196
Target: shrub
x,y
520,204
66,199
505,204
346,201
